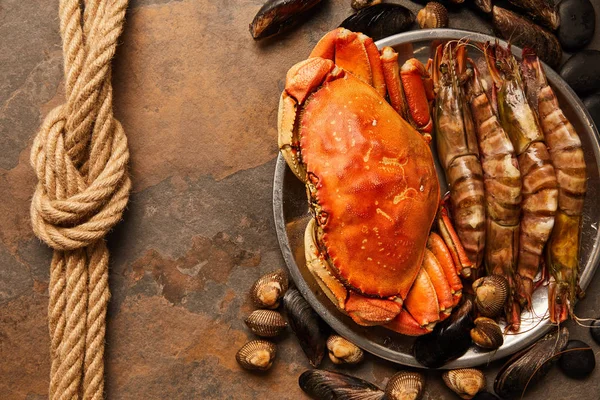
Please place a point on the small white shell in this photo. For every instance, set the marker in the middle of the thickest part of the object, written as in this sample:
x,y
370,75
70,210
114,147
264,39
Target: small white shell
x,y
257,354
266,323
405,385
269,289
465,382
341,351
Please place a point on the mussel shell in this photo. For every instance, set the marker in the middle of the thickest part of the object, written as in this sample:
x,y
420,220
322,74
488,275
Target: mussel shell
x,y
405,385
277,15
465,382
380,20
342,351
449,340
541,11
269,289
266,323
490,295
484,5
523,33
328,385
310,330
487,334
257,355
530,365
595,330
577,364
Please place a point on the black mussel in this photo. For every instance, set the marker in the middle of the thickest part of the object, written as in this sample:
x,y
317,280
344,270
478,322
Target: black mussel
x,y
269,289
342,351
277,15
581,72
543,12
405,385
577,360
266,323
578,22
487,334
449,340
592,103
485,396
490,295
310,330
523,33
328,385
595,330
484,5
530,365
433,15
380,20
360,4
466,383
257,354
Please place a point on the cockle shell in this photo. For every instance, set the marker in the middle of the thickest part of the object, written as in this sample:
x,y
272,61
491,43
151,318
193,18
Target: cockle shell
x,y
465,382
433,15
257,354
266,323
487,334
490,295
342,351
405,385
269,289
360,4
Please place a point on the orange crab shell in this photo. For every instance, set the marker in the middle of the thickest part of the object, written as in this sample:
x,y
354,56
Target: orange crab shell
x,y
375,185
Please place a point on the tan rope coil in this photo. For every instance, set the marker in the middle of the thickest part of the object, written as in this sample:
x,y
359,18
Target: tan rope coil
x,y
80,156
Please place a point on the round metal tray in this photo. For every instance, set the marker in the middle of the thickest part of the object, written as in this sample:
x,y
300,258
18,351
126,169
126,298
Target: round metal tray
x,y
291,216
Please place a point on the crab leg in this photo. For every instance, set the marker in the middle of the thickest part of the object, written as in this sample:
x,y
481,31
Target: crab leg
x,y
391,72
441,252
405,324
436,273
567,156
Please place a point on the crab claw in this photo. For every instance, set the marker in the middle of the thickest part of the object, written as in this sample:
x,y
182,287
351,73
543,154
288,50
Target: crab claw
x,y
418,89
461,260
355,53
405,324
368,311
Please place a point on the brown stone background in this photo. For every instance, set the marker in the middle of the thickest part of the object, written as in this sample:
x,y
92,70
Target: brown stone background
x,y
198,99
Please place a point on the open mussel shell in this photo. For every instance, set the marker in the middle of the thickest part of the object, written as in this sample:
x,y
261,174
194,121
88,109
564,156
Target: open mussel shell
x,y
530,365
257,355
310,330
465,382
405,385
380,20
342,351
449,340
328,385
490,295
268,290
487,334
277,15
266,323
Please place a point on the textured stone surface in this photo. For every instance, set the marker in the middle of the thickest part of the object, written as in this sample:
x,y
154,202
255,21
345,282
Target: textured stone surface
x,y
198,99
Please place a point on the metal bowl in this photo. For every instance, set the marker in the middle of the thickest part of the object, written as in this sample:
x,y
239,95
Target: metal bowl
x,y
291,216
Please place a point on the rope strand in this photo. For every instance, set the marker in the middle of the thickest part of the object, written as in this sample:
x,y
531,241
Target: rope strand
x,y
80,157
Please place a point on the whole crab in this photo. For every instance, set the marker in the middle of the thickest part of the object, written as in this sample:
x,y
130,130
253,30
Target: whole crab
x,y
371,185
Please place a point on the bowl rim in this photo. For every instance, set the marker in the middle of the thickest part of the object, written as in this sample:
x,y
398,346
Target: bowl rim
x,y
338,325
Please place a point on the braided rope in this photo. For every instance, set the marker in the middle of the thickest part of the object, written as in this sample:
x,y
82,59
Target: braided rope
x,y
80,157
